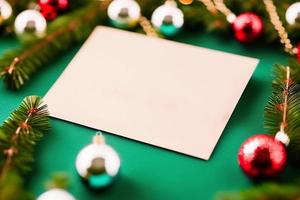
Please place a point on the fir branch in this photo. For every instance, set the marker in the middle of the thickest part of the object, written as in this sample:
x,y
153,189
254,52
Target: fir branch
x,y
275,110
18,136
19,65
266,191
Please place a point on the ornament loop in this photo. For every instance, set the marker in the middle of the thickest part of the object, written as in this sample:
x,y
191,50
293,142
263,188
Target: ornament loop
x,y
99,138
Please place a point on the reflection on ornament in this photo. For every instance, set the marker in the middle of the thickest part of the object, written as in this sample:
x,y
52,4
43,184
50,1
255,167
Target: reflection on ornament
x,y
292,14
30,22
168,19
56,194
247,27
98,164
5,11
262,156
124,13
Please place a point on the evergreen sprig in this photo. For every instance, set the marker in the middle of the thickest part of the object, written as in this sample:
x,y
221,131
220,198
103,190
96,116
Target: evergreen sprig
x,y
274,109
266,191
18,137
18,65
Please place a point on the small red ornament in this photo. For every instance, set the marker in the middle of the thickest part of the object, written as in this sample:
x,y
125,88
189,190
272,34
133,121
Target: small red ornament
x,y
298,54
50,8
262,156
49,12
247,27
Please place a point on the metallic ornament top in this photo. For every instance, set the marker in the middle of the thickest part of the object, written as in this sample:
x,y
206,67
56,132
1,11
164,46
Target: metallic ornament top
x,y
30,22
292,14
168,19
98,164
124,13
5,11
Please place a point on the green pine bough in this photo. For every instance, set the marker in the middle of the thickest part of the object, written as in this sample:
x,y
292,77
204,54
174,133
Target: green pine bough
x,y
266,191
19,135
19,65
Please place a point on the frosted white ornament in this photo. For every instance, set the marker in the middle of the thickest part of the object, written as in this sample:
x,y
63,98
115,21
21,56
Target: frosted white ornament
x,y
98,163
56,194
292,14
167,18
124,13
30,22
5,11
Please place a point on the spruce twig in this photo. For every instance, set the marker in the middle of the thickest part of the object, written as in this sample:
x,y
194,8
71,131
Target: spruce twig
x,y
266,191
275,109
19,65
18,136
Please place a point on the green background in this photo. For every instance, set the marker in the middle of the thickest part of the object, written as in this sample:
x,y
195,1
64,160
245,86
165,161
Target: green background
x,y
149,172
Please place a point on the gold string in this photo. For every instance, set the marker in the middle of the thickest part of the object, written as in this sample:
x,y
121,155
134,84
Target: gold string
x,y
275,20
147,27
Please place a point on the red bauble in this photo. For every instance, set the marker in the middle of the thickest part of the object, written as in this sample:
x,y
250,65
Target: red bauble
x,y
247,27
261,156
298,55
50,8
49,12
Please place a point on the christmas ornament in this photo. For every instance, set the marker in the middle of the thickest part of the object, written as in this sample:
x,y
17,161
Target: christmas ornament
x,y
298,52
30,22
168,19
5,11
262,156
50,8
56,194
98,164
292,14
124,13
247,27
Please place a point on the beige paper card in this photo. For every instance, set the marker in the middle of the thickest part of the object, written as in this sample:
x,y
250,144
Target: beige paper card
x,y
164,93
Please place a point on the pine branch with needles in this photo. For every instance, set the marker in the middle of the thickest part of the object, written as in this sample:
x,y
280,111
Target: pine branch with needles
x,y
18,136
18,65
266,191
274,110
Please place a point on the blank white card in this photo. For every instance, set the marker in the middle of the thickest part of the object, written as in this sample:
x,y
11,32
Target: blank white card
x,y
164,93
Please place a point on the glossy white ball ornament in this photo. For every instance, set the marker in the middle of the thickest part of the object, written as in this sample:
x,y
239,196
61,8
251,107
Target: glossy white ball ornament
x,y
56,194
168,19
292,14
124,13
98,164
5,11
30,22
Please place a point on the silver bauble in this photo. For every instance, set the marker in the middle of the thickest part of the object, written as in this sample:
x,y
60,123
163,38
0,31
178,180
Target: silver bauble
x,y
168,19
292,14
30,22
56,194
98,164
124,13
5,11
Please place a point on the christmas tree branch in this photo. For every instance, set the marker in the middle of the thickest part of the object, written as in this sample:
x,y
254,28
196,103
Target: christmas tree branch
x,y
18,136
17,66
283,109
266,191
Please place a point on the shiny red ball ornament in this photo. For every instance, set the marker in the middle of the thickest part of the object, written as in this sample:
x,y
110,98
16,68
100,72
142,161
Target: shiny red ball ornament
x,y
247,27
49,12
298,55
50,8
261,156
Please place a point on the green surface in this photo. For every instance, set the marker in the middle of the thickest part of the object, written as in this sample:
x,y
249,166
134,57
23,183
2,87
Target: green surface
x,y
149,172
